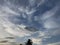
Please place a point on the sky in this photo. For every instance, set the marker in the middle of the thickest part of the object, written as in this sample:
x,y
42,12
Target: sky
x,y
38,20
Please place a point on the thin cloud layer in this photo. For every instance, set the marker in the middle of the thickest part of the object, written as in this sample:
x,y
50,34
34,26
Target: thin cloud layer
x,y
40,14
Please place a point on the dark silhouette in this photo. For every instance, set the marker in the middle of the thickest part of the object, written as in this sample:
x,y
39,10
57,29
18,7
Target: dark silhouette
x,y
20,44
29,42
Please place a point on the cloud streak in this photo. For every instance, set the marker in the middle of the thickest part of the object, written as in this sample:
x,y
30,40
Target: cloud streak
x,y
14,19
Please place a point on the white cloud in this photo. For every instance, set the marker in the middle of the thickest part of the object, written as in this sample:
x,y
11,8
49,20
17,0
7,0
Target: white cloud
x,y
48,18
36,41
32,2
49,13
15,30
50,23
57,43
26,10
41,2
38,2
8,28
5,10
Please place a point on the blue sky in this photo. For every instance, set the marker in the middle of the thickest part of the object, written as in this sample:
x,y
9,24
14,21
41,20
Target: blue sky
x,y
42,15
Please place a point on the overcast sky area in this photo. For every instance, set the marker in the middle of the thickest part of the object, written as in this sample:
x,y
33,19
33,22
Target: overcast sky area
x,y
43,16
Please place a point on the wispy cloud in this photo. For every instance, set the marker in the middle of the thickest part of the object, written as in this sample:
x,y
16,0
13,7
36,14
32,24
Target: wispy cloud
x,y
9,17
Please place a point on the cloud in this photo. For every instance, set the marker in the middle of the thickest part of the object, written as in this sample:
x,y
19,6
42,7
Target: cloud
x,y
15,30
9,27
5,11
32,2
58,43
48,18
49,13
10,17
36,41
